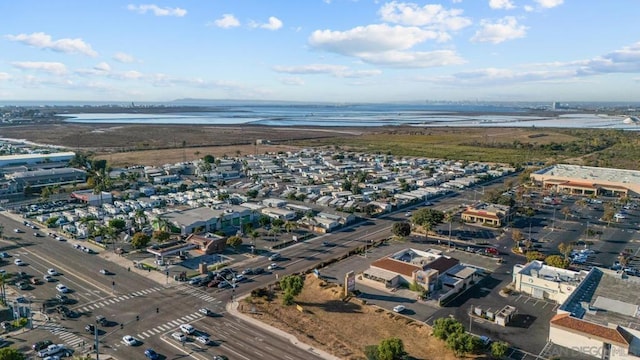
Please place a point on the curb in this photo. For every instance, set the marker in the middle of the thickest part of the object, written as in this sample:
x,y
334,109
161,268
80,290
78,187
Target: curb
x,y
232,309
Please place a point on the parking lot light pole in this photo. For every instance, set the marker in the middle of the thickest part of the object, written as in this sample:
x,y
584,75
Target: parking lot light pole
x,y
96,341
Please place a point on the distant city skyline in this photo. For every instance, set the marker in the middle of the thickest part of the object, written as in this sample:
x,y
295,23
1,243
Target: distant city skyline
x,y
343,51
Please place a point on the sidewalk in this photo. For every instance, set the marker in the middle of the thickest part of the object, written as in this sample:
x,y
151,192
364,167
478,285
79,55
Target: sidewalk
x,y
232,308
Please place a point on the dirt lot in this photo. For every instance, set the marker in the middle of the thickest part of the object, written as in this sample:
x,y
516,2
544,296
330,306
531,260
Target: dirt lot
x,y
344,328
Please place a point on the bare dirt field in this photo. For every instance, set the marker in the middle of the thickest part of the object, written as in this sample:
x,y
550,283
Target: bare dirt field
x,y
160,144
344,328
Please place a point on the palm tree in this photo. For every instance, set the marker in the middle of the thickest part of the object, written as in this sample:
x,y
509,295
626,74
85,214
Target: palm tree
x,y
448,217
160,223
3,290
290,226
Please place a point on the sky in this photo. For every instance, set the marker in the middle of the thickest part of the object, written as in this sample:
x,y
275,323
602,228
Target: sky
x,y
340,51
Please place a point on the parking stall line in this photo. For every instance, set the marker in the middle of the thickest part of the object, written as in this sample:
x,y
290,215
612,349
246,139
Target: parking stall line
x,y
140,336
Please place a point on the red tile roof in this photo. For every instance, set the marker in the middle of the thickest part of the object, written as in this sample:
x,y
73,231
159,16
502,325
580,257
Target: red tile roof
x,y
588,328
398,267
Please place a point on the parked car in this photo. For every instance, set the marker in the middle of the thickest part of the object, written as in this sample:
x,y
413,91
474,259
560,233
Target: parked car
x,y
62,288
91,329
187,329
101,320
203,339
22,285
17,231
179,336
18,262
257,271
48,278
34,281
399,308
274,257
220,357
151,354
105,272
52,272
4,255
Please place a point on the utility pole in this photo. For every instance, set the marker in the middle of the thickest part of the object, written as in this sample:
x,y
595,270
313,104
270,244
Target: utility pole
x,y
96,341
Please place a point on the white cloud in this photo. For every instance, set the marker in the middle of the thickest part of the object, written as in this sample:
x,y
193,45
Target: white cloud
x,y
102,67
501,4
528,8
384,45
339,71
273,24
293,81
43,41
370,38
432,16
227,21
625,60
414,59
55,68
156,10
499,31
124,58
548,4
4,76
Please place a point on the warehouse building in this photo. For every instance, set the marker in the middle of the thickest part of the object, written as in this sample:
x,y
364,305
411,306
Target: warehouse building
x,y
588,180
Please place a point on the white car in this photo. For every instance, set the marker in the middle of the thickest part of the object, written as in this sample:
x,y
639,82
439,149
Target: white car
x,y
18,262
129,340
62,288
273,266
17,231
187,329
204,339
399,308
52,272
48,278
205,311
60,238
179,336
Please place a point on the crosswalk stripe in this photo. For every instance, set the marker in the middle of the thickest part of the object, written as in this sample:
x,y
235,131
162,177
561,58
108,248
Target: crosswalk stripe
x,y
146,333
140,336
174,323
117,299
136,293
164,327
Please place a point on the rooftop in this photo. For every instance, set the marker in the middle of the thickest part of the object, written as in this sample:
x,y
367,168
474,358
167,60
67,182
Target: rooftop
x,y
592,174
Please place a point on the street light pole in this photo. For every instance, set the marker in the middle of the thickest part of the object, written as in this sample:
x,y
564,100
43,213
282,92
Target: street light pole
x,y
96,341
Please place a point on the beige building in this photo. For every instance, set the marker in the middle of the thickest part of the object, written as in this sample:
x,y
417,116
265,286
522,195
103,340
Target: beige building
x,y
546,282
601,317
588,180
488,214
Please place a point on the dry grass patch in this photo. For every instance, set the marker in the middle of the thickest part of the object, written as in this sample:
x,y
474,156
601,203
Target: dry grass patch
x,y
344,328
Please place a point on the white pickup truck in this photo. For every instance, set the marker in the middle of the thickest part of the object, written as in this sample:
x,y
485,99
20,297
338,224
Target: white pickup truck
x,y
51,350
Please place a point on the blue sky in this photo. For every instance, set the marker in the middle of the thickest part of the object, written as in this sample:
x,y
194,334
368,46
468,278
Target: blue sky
x,y
320,50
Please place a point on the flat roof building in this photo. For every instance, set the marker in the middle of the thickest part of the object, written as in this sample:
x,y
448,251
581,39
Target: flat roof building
x,y
601,317
588,180
23,159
